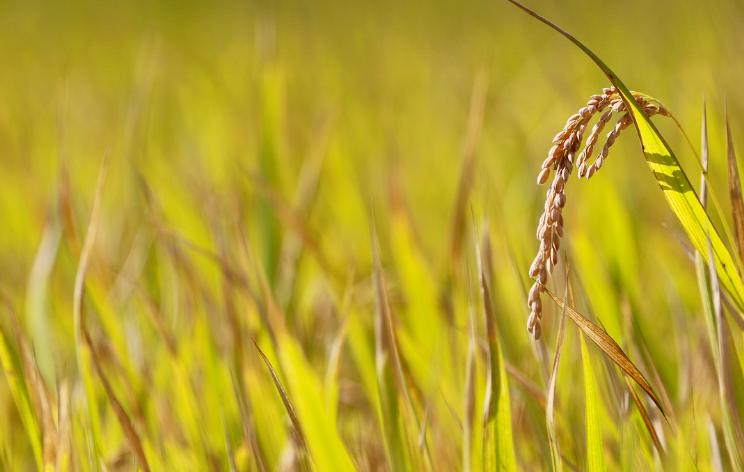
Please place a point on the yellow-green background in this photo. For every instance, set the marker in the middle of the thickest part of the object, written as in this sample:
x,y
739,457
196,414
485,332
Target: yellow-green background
x,y
200,97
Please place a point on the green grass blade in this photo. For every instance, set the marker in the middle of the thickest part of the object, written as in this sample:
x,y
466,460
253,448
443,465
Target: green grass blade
x,y
323,441
673,181
399,417
126,423
18,389
498,447
285,399
555,452
83,353
729,376
594,447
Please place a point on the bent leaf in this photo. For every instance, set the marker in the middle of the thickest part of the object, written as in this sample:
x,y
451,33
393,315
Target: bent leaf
x,y
673,181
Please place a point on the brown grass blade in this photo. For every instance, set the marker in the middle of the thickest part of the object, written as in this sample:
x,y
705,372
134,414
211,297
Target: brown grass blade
x,y
611,349
285,399
134,440
737,204
646,419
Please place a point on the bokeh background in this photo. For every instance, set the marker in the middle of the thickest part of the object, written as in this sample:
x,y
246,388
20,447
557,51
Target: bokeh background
x,y
292,123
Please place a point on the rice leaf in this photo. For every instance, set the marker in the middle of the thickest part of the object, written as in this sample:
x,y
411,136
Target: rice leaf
x,y
498,446
608,345
673,181
594,446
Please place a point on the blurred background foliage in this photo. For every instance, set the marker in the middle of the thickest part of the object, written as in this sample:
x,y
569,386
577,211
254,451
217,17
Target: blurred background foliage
x,y
278,128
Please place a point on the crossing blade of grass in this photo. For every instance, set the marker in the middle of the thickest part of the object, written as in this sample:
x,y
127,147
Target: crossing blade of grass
x,y
185,400
38,392
730,383
703,275
398,416
608,345
555,452
132,437
248,426
672,179
737,204
718,332
498,442
326,447
653,372
82,349
50,437
287,403
19,391
594,445
646,419
228,445
321,439
295,222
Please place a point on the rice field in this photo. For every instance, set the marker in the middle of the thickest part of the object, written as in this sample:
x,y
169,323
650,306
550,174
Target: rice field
x,y
283,235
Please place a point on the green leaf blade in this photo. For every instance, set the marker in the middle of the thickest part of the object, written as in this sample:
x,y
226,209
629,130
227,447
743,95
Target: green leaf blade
x,y
595,449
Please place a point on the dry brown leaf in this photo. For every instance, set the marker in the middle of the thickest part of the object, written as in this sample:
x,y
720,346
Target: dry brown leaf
x,y
608,345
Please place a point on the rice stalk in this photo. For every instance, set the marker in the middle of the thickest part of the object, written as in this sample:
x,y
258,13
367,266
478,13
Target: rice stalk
x,y
562,158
